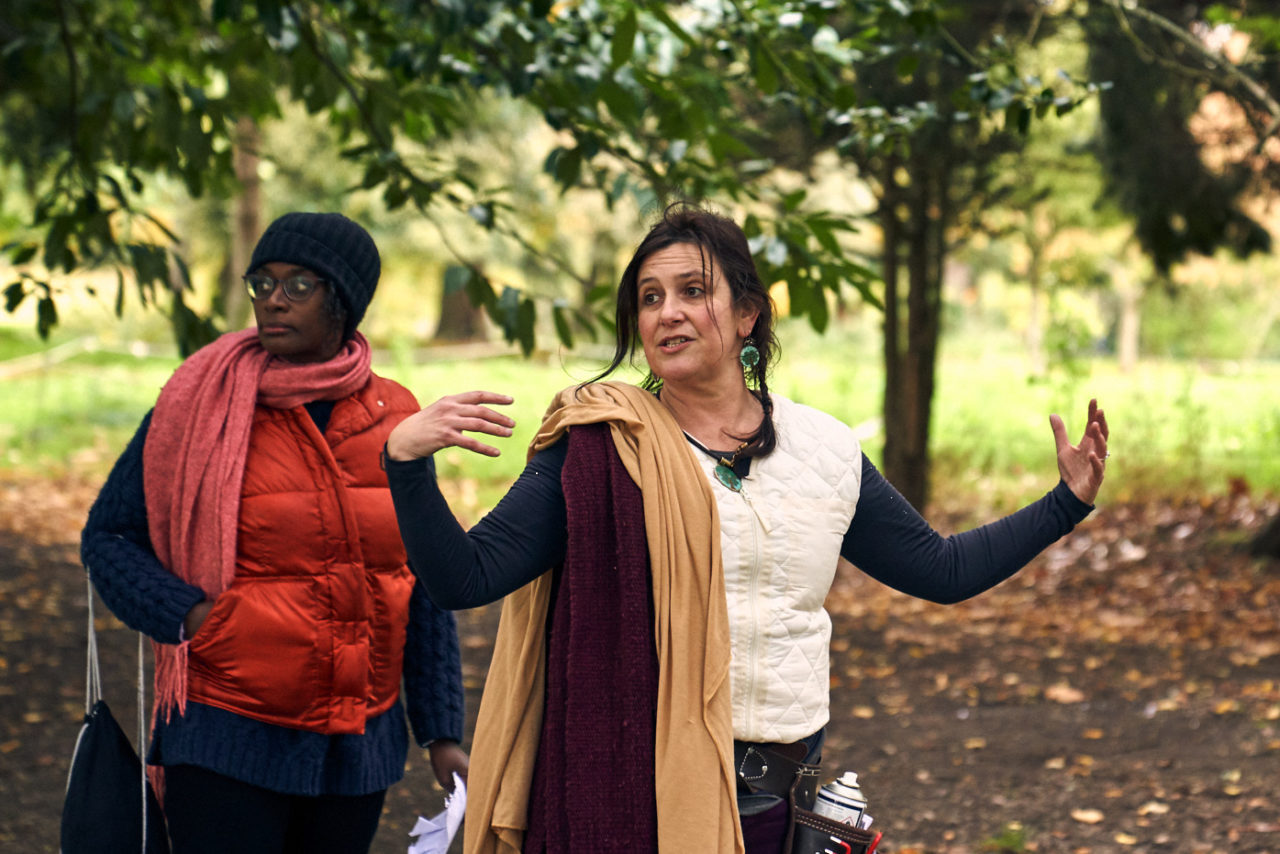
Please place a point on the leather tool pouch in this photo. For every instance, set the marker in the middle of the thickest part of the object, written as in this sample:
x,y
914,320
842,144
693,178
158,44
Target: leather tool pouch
x,y
816,834
765,768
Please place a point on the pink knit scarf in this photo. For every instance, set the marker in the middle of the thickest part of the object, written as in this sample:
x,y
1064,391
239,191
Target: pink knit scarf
x,y
194,456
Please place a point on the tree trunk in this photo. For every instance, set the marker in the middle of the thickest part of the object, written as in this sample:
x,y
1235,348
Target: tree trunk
x,y
460,321
1129,290
893,408
911,343
246,223
1036,308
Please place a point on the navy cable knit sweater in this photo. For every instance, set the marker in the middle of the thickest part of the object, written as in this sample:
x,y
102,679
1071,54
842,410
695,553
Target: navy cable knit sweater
x,y
116,550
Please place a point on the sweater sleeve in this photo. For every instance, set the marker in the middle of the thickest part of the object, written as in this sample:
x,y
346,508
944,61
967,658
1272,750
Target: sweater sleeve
x,y
517,541
115,547
893,543
433,692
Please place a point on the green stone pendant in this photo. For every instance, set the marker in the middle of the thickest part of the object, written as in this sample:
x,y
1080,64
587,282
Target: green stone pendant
x,y
728,477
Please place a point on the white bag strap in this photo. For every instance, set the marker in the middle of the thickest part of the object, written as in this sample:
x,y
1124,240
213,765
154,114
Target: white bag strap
x,y
142,738
93,674
93,693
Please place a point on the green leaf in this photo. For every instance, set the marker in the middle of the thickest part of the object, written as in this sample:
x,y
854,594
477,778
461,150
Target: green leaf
x,y
504,313
826,238
55,244
269,12
585,320
624,40
374,175
14,294
619,101
227,10
819,313
456,278
23,254
526,318
724,146
565,165
600,293
480,292
46,316
792,200
560,316
766,67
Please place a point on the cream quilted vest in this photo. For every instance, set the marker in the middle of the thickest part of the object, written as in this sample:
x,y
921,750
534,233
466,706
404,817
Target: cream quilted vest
x,y
780,540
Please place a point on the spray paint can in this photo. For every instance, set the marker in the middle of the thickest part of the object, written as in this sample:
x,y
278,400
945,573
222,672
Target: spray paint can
x,y
842,800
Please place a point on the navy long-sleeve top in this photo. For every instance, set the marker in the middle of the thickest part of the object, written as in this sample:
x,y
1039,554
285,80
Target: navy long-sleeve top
x,y
116,549
526,533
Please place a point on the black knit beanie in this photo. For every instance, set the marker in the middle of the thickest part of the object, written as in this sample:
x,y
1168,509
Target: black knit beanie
x,y
337,249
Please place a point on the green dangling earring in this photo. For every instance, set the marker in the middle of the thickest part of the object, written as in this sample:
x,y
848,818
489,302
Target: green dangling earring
x,y
750,355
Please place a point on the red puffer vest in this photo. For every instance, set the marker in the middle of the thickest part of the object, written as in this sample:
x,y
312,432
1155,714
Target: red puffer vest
x,y
311,633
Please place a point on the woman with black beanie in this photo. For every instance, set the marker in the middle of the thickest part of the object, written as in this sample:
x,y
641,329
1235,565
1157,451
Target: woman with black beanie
x,y
248,530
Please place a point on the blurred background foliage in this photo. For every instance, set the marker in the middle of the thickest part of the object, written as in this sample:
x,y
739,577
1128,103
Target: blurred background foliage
x,y
974,212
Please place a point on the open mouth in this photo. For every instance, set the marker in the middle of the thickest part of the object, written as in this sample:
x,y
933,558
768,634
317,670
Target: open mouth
x,y
677,341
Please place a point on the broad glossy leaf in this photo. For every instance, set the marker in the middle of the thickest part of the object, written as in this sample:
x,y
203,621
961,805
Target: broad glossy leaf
x,y
560,316
46,316
14,294
623,44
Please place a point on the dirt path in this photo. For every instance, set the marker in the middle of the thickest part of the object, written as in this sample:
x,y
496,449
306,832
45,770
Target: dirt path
x,y
1122,694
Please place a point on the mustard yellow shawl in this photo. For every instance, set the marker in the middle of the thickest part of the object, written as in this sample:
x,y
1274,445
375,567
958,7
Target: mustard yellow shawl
x,y
693,754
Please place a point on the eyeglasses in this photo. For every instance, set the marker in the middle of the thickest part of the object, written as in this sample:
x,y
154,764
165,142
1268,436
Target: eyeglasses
x,y
296,288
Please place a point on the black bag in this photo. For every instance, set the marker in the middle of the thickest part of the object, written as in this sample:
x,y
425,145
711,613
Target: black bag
x,y
105,810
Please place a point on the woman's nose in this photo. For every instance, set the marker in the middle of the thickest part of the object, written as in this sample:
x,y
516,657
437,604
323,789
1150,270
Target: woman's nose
x,y
277,299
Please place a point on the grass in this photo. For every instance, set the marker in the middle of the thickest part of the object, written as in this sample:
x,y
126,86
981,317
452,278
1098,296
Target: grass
x,y
1178,428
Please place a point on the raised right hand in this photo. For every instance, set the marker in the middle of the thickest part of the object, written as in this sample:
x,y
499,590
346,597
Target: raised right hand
x,y
442,425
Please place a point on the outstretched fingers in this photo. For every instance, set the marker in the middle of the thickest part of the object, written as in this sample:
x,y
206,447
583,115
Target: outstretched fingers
x,y
1083,466
448,422
467,413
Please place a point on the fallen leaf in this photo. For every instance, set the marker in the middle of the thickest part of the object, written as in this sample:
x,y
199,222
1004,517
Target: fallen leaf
x,y
1061,692
1087,816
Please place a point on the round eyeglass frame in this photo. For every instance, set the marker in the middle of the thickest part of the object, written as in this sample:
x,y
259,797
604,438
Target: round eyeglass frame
x,y
296,288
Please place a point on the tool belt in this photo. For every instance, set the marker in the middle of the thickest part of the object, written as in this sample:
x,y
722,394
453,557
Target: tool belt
x,y
776,769
780,769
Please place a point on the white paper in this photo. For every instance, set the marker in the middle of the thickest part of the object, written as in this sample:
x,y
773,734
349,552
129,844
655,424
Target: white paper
x,y
433,836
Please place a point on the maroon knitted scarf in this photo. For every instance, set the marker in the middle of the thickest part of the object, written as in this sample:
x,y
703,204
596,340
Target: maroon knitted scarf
x,y
593,787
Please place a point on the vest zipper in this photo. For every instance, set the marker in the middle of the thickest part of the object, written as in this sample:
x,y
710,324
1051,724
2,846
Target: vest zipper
x,y
754,596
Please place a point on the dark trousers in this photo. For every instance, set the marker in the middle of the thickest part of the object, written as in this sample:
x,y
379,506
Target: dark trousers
x,y
765,833
208,813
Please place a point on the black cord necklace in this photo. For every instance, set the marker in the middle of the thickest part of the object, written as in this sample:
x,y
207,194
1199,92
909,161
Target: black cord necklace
x,y
726,466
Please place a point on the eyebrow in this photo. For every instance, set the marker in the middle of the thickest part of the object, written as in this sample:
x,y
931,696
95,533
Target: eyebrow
x,y
685,276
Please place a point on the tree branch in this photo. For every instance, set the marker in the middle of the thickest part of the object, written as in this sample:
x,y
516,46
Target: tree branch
x,y
1213,59
73,75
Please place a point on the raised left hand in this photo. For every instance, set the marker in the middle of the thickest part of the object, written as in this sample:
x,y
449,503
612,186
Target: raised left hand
x,y
446,758
1083,466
